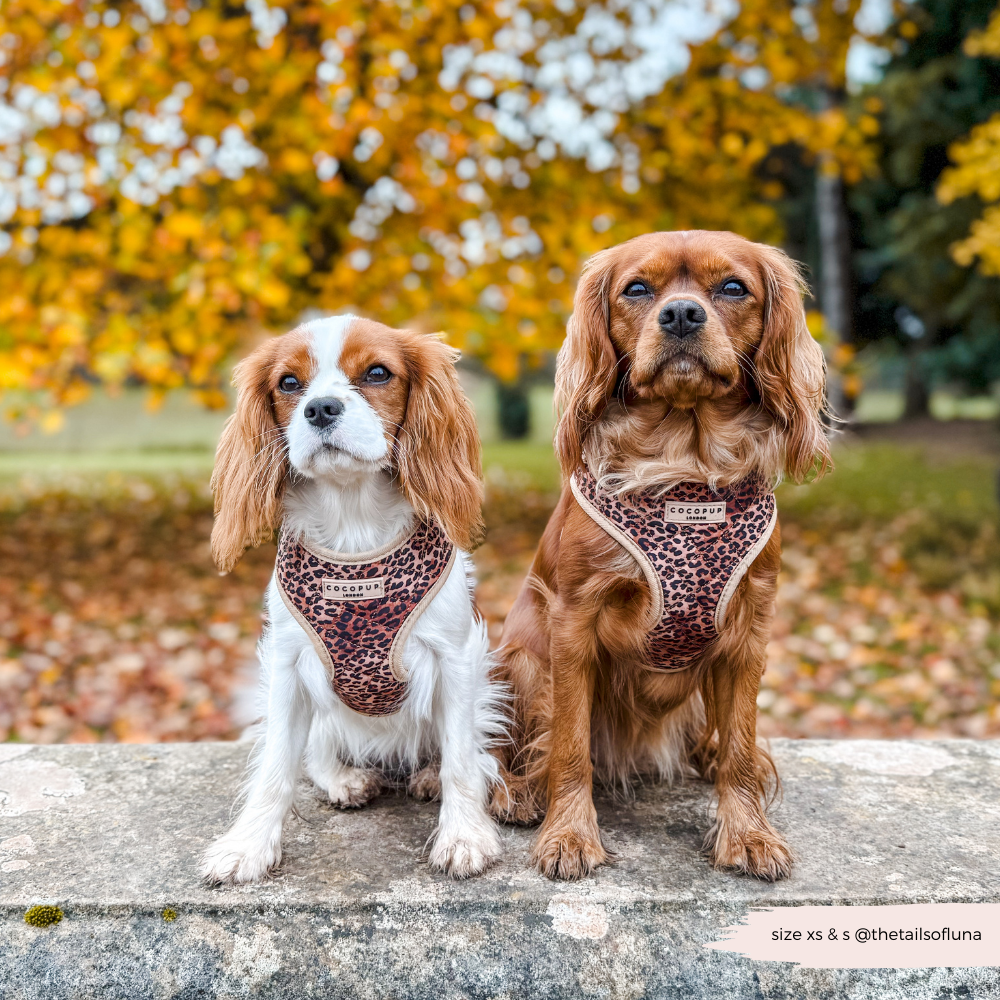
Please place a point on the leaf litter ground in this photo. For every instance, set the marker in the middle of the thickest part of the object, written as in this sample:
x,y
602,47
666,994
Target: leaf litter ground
x,y
115,625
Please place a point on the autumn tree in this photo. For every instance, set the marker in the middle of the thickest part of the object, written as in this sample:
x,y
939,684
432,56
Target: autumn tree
x,y
914,291
176,175
976,175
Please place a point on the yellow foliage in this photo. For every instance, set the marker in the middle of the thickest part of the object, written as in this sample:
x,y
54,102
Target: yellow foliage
x,y
295,161
184,224
986,42
977,170
52,421
201,177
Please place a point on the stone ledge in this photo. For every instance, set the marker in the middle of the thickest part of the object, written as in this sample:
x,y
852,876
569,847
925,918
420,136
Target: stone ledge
x,y
112,835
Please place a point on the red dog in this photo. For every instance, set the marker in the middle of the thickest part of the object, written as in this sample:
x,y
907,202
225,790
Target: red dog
x,y
689,386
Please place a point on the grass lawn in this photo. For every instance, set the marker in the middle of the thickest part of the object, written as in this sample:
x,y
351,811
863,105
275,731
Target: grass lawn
x,y
55,465
884,480
878,480
870,480
531,464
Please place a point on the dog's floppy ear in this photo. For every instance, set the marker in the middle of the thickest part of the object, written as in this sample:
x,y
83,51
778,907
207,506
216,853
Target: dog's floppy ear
x,y
437,444
587,367
790,368
250,464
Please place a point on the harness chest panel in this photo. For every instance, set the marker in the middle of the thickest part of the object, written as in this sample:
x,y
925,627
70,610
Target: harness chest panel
x,y
693,545
359,610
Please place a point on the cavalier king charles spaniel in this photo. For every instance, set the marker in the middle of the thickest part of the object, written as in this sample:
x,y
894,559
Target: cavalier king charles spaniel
x,y
689,386
357,441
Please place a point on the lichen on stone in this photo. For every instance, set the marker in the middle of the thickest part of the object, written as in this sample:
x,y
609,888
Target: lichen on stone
x,y
169,915
43,916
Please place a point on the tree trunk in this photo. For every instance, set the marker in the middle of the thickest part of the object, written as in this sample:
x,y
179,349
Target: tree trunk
x,y
513,410
835,274
918,396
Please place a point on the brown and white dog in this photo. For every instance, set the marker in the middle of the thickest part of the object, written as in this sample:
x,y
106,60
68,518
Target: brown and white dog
x,y
356,439
687,361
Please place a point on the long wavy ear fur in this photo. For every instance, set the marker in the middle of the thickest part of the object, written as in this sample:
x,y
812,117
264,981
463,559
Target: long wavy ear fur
x,y
587,367
250,465
790,368
437,445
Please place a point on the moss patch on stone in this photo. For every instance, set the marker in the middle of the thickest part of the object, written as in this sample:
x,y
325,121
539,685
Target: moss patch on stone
x,y
43,916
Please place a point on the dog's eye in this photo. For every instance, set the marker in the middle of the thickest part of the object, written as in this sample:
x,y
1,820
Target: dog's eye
x,y
377,375
289,383
636,290
733,288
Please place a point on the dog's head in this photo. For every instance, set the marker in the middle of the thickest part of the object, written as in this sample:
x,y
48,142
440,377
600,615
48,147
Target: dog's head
x,y
688,317
341,399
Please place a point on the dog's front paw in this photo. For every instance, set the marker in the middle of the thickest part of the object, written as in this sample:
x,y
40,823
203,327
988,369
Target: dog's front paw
x,y
515,802
757,850
464,853
353,788
234,860
425,784
568,854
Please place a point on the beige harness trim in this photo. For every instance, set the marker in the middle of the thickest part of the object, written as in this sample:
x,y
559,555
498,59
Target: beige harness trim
x,y
741,568
652,577
321,651
372,555
398,646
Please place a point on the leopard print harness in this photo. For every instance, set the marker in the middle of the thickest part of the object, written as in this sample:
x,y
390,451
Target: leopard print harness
x,y
693,545
359,610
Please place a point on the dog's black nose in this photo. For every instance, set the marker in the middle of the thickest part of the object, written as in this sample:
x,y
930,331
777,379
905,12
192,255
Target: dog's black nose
x,y
323,411
682,317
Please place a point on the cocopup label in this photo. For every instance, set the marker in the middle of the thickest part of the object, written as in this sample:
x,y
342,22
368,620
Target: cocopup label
x,y
353,590
683,512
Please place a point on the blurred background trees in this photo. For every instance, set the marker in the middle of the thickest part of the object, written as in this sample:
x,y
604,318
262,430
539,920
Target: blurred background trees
x,y
179,176
914,285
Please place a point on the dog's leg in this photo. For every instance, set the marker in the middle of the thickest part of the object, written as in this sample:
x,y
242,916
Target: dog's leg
x,y
515,798
252,847
425,784
519,796
741,838
346,787
569,842
467,840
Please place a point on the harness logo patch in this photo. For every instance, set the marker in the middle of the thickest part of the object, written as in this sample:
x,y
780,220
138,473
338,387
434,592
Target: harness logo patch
x,y
353,590
684,512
